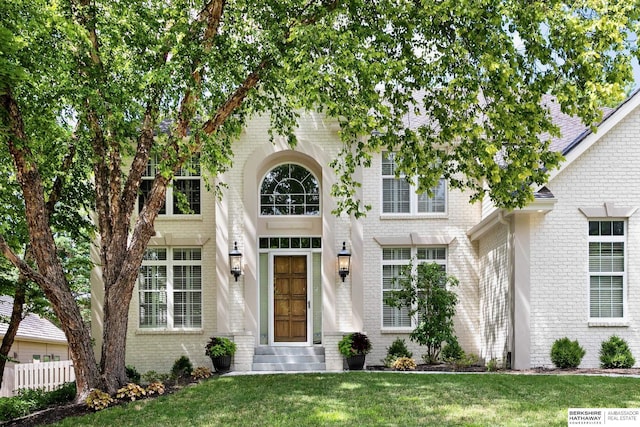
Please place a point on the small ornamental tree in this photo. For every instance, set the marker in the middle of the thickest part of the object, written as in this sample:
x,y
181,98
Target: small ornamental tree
x,y
430,302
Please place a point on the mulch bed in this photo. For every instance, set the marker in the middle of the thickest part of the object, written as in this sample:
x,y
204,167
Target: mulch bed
x,y
58,413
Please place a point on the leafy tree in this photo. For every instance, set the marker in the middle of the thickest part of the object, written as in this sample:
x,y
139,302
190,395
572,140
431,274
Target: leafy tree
x,y
72,240
432,304
100,76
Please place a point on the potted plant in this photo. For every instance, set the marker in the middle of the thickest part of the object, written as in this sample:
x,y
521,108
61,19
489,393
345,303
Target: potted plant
x,y
354,347
220,350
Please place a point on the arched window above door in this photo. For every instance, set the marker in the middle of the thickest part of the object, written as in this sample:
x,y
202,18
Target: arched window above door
x,y
289,189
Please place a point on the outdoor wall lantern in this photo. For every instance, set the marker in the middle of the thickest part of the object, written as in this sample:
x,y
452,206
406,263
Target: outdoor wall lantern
x,y
235,261
344,260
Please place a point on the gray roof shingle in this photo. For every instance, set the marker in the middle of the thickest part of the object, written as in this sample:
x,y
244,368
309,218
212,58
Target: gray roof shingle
x,y
32,327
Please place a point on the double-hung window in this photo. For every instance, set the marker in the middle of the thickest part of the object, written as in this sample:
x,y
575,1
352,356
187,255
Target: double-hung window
x,y
183,195
170,288
399,195
394,263
607,276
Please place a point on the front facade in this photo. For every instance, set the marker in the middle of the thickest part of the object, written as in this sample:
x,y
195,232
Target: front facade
x,y
277,208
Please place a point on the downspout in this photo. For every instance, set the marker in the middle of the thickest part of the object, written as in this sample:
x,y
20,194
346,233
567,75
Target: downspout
x,y
509,344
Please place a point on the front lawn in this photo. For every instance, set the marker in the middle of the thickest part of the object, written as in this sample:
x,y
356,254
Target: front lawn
x,y
374,399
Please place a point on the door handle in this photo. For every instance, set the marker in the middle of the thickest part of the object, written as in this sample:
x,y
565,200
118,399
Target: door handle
x,y
309,304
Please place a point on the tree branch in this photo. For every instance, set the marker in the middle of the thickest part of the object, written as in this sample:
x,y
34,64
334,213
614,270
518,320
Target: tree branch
x,y
56,190
234,100
25,269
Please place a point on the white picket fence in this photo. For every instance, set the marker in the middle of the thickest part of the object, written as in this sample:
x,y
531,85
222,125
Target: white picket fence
x,y
45,375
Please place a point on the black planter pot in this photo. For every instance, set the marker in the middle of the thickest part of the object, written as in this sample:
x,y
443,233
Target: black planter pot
x,y
356,363
221,363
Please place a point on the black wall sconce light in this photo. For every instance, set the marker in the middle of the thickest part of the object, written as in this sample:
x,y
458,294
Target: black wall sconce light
x,y
235,261
344,261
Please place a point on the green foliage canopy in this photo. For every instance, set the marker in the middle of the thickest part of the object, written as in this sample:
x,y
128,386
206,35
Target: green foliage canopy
x,y
477,68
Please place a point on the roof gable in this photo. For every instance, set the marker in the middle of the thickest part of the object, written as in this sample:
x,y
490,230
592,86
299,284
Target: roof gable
x,y
582,141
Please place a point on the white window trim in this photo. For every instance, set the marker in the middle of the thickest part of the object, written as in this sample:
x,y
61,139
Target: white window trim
x,y
609,321
413,199
415,260
168,197
317,181
170,263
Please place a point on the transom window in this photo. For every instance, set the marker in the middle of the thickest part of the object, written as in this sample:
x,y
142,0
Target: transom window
x,y
399,195
607,277
290,243
394,261
170,288
289,189
183,196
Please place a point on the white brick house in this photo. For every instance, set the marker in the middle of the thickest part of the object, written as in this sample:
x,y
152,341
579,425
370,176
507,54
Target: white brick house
x,y
524,275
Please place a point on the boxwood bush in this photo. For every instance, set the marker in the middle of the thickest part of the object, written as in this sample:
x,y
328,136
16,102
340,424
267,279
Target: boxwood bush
x,y
615,353
566,353
397,349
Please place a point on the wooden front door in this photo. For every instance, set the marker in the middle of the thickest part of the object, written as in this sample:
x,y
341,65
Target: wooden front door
x,y
290,298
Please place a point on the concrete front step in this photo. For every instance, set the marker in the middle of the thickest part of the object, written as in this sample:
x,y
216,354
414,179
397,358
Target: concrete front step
x,y
289,359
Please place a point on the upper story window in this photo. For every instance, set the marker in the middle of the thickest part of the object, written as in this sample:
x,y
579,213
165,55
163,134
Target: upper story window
x,y
394,261
183,196
289,189
607,277
399,195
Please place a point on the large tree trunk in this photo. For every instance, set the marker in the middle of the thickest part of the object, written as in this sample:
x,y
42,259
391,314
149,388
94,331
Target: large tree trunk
x,y
14,323
112,362
50,274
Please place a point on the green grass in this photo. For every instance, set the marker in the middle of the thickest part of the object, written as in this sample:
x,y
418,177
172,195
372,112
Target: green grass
x,y
374,399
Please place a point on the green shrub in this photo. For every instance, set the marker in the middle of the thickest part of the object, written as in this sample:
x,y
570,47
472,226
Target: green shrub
x,y
494,365
566,353
36,398
452,351
27,401
14,407
63,394
132,374
153,376
397,349
182,367
467,360
615,353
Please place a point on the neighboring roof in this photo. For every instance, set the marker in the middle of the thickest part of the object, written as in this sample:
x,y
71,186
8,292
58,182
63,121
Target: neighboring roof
x,y
32,327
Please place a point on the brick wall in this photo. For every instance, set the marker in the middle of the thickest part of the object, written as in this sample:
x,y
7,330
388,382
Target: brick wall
x,y
461,262
607,172
494,278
